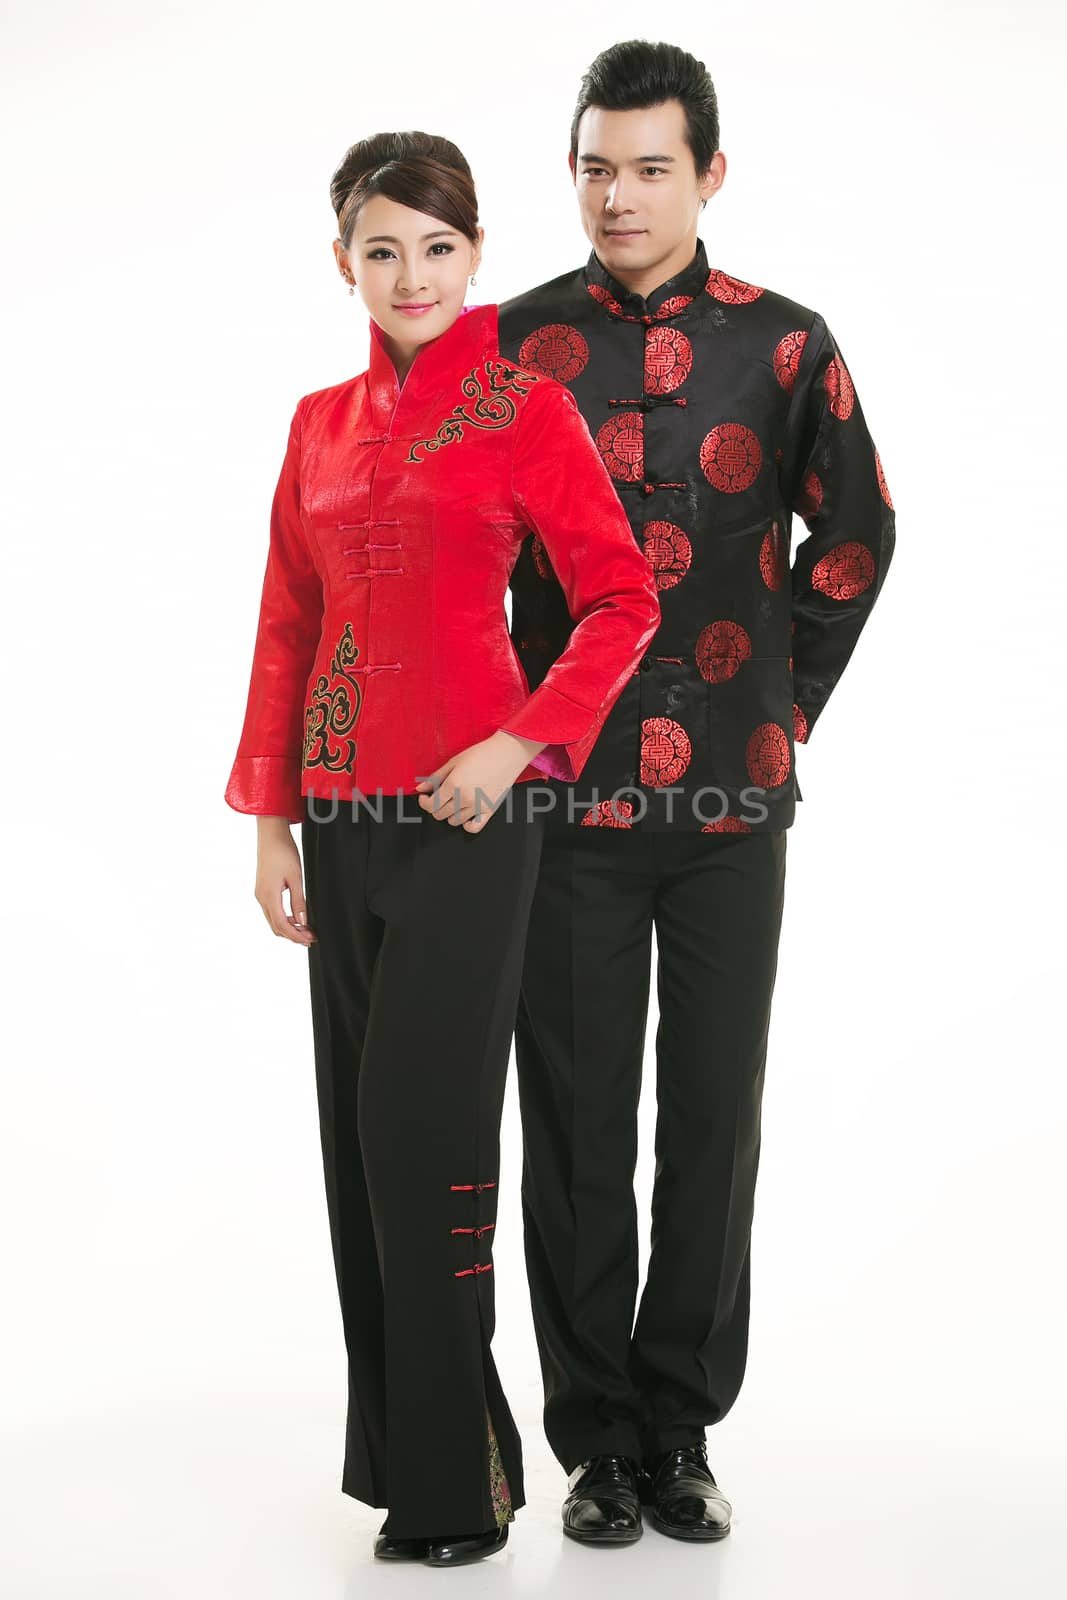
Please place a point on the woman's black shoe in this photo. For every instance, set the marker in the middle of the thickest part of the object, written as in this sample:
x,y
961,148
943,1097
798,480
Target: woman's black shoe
x,y
455,1549
386,1548
603,1506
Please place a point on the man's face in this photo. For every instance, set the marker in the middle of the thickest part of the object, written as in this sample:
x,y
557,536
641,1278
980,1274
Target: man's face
x,y
638,189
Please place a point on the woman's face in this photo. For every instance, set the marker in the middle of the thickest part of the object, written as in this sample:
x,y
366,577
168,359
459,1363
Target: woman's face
x,y
400,257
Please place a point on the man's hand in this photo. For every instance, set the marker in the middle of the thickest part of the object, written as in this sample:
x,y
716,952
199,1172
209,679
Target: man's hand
x,y
468,789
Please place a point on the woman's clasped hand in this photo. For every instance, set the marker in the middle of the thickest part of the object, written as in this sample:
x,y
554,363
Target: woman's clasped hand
x,y
466,790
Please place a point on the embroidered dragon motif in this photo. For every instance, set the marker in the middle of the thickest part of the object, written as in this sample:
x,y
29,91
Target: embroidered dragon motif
x,y
332,710
490,389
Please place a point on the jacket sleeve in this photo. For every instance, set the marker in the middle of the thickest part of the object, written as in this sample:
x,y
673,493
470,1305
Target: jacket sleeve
x,y
838,488
562,490
265,777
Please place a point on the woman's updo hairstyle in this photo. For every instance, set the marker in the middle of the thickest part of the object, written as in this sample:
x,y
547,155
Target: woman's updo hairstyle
x,y
420,170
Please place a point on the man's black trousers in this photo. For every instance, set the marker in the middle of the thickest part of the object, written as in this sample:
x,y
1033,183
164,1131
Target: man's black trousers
x,y
716,902
414,985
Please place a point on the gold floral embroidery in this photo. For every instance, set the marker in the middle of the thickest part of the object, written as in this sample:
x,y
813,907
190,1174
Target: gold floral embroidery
x,y
498,1483
332,710
491,389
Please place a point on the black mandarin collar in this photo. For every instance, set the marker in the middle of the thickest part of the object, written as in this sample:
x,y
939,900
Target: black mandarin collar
x,y
689,282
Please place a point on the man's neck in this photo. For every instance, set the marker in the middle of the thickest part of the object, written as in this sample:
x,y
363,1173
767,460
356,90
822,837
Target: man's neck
x,y
646,280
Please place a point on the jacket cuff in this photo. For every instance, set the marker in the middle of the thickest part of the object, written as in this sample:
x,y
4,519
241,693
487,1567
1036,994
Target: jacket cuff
x,y
555,761
567,730
267,786
807,708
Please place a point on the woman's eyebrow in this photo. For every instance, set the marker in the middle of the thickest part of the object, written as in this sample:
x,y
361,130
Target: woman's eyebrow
x,y
387,238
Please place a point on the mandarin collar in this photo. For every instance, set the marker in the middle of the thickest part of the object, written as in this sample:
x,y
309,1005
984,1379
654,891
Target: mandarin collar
x,y
684,285
437,366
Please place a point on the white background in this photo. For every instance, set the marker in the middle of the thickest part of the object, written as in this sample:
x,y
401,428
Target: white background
x,y
173,1375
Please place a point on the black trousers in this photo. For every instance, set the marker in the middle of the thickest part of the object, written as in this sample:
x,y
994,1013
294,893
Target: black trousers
x,y
414,986
716,901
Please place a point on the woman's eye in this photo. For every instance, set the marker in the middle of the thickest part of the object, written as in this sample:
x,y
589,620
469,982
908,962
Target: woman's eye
x,y
381,252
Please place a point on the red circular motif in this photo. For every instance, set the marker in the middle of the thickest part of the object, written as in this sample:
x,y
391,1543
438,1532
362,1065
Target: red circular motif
x,y
665,751
721,649
772,563
540,557
727,825
810,497
557,350
786,358
881,480
606,817
838,386
845,571
668,552
800,724
767,755
668,360
731,291
731,457
621,442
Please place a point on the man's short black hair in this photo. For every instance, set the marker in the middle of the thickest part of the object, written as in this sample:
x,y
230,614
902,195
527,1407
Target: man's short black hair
x,y
638,73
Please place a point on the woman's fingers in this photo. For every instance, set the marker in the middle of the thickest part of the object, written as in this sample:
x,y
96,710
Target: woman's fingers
x,y
285,926
450,804
443,803
297,919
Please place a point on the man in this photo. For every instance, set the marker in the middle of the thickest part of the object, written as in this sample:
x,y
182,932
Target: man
x,y
720,408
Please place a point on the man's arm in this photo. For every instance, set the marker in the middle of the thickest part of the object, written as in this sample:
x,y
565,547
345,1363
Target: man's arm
x,y
835,483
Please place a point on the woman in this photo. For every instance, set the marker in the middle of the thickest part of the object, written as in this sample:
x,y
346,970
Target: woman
x,y
383,677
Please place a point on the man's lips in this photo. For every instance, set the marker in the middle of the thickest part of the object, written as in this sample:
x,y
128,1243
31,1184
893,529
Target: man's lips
x,y
622,233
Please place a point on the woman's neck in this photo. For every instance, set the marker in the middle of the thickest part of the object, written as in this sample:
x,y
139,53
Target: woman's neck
x,y
402,357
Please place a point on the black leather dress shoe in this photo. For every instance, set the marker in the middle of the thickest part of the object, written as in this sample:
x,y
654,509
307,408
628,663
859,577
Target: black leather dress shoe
x,y
684,1499
386,1548
456,1549
603,1506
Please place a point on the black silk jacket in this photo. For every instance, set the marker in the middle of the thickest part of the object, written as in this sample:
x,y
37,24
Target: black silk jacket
x,y
720,409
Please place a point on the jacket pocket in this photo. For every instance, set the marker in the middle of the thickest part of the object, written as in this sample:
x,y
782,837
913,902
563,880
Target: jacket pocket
x,y
750,725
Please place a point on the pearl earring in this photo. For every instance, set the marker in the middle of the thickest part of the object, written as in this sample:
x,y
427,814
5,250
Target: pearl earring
x,y
473,278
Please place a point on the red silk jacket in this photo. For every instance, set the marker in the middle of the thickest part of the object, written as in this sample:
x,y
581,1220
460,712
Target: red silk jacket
x,y
383,648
